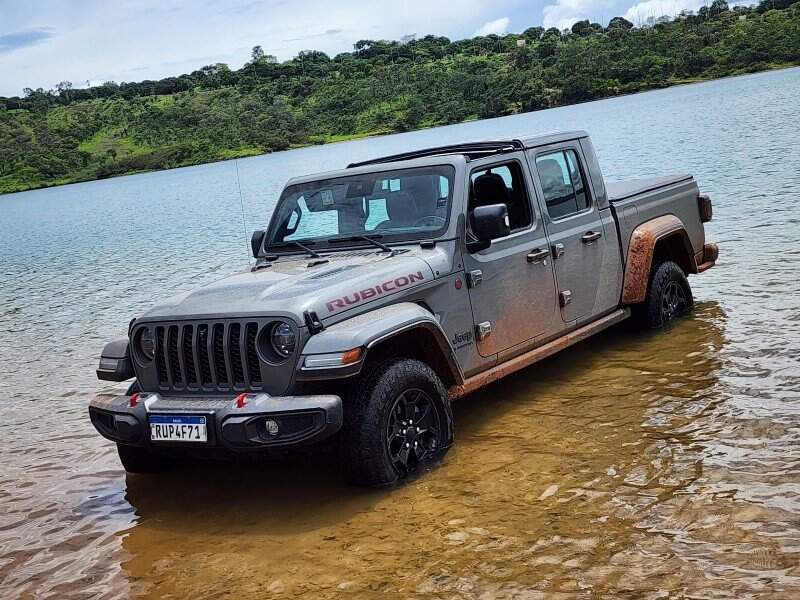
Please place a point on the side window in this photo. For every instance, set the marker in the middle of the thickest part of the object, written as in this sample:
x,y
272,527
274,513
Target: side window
x,y
502,184
562,183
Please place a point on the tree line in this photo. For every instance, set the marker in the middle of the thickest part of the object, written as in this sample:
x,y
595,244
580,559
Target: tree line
x,y
66,134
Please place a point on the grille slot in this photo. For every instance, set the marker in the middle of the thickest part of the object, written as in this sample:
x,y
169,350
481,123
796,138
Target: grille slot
x,y
187,351
218,331
235,346
161,365
253,366
217,356
173,362
201,346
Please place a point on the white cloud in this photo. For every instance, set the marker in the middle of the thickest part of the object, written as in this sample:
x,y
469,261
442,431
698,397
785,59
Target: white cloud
x,y
564,13
496,27
148,39
639,13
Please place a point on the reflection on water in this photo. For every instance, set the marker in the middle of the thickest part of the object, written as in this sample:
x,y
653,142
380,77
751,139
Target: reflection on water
x,y
636,465
570,476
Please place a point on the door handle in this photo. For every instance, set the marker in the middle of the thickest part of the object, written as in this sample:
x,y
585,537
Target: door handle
x,y
591,236
538,255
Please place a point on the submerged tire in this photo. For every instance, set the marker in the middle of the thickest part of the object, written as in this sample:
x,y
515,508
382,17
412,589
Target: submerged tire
x,y
397,421
668,296
141,460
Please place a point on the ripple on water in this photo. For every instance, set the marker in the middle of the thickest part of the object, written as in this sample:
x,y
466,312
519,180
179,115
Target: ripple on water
x,y
640,465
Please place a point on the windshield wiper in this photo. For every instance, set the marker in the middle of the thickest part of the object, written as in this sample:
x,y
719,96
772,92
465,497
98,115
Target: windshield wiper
x,y
372,239
311,252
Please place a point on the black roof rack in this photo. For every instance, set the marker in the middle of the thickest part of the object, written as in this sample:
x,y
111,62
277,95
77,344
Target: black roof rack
x,y
471,150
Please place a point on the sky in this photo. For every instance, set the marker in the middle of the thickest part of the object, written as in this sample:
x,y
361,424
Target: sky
x,y
43,42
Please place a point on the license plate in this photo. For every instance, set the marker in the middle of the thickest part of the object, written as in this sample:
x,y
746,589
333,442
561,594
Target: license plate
x,y
177,428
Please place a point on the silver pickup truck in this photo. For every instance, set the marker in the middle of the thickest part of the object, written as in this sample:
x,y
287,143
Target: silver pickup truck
x,y
384,291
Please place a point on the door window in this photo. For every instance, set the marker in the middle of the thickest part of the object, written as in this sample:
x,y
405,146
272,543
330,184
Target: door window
x,y
502,184
562,183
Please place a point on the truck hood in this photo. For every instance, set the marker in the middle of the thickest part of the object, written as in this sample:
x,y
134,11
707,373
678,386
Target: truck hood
x,y
293,285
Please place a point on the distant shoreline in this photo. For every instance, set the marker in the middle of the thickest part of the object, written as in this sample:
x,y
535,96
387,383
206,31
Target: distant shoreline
x,y
234,154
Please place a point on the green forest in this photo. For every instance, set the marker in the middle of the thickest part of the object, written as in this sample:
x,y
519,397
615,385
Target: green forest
x,y
50,137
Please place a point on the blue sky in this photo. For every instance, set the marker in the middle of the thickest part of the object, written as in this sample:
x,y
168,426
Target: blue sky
x,y
43,42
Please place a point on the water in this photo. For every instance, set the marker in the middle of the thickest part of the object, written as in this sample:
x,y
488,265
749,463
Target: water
x,y
639,465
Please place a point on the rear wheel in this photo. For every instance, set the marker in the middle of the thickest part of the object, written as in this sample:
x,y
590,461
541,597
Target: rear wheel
x,y
397,422
668,296
141,460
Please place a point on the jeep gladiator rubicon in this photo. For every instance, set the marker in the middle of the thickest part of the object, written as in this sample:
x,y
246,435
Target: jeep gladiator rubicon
x,y
384,291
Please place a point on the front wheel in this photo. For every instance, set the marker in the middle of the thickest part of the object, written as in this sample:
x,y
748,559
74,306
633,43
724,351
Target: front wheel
x,y
397,421
668,296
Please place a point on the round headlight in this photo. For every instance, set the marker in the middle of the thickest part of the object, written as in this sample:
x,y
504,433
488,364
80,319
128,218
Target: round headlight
x,y
147,342
283,339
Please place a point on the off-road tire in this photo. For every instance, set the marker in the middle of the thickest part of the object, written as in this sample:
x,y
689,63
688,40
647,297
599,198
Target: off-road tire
x,y
667,280
141,460
368,417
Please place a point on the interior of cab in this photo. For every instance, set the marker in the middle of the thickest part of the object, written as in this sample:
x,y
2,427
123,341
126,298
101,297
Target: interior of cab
x,y
410,202
415,202
502,184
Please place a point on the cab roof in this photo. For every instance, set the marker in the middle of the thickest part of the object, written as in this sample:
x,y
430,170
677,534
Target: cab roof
x,y
478,149
453,154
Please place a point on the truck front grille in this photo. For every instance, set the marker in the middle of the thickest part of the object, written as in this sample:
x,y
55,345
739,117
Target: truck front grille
x,y
218,356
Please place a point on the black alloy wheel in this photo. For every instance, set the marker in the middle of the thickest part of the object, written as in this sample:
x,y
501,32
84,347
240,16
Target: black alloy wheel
x,y
673,302
413,430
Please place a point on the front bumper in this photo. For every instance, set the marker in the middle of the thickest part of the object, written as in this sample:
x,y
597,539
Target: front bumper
x,y
234,423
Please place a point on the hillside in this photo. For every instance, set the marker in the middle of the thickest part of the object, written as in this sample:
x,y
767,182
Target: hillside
x,y
54,137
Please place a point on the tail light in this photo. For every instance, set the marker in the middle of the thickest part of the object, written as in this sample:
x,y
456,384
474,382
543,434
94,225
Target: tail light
x,y
706,210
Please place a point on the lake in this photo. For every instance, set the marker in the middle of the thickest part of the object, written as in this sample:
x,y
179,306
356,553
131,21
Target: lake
x,y
650,465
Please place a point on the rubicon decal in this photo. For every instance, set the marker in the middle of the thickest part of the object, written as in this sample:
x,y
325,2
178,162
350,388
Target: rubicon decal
x,y
387,287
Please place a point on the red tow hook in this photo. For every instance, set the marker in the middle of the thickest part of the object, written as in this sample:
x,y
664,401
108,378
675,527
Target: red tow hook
x,y
134,399
241,400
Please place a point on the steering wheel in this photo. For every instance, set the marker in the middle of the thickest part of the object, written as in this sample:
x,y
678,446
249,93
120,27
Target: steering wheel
x,y
434,220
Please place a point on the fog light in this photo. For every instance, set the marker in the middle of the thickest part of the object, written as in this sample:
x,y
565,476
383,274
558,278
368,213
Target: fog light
x,y
271,426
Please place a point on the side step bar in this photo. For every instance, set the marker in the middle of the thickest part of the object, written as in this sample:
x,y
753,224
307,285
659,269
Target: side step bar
x,y
524,360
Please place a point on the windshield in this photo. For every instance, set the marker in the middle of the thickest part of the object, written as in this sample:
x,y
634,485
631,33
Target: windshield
x,y
389,205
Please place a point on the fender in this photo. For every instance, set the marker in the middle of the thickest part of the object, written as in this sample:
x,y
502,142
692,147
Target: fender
x,y
115,362
371,328
640,254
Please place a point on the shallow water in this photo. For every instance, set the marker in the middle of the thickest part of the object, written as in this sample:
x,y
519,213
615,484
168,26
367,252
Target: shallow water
x,y
655,465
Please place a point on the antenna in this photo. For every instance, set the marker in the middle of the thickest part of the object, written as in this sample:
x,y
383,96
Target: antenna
x,y
241,202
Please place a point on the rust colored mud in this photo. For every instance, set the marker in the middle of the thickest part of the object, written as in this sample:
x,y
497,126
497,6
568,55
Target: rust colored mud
x,y
522,361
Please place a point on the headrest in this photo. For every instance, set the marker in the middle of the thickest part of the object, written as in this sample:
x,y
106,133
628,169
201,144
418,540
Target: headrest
x,y
490,188
400,208
424,190
550,172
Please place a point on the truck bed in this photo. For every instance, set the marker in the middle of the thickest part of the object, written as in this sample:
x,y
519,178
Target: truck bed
x,y
639,200
620,190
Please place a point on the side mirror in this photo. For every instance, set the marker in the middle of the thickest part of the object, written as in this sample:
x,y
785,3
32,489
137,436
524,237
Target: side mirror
x,y
490,222
256,241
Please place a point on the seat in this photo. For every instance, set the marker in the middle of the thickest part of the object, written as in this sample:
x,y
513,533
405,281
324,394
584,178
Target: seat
x,y
401,210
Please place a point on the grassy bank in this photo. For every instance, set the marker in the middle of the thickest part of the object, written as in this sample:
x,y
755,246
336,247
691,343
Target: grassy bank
x,y
382,87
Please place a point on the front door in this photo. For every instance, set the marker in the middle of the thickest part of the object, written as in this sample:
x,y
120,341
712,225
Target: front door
x,y
512,286
573,226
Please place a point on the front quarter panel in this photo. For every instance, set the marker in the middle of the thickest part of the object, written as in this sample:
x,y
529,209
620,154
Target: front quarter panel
x,y
367,329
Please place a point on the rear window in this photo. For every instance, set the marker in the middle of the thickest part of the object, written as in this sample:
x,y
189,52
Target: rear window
x,y
562,183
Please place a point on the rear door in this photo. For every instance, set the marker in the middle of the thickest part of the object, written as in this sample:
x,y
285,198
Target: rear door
x,y
512,287
573,224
